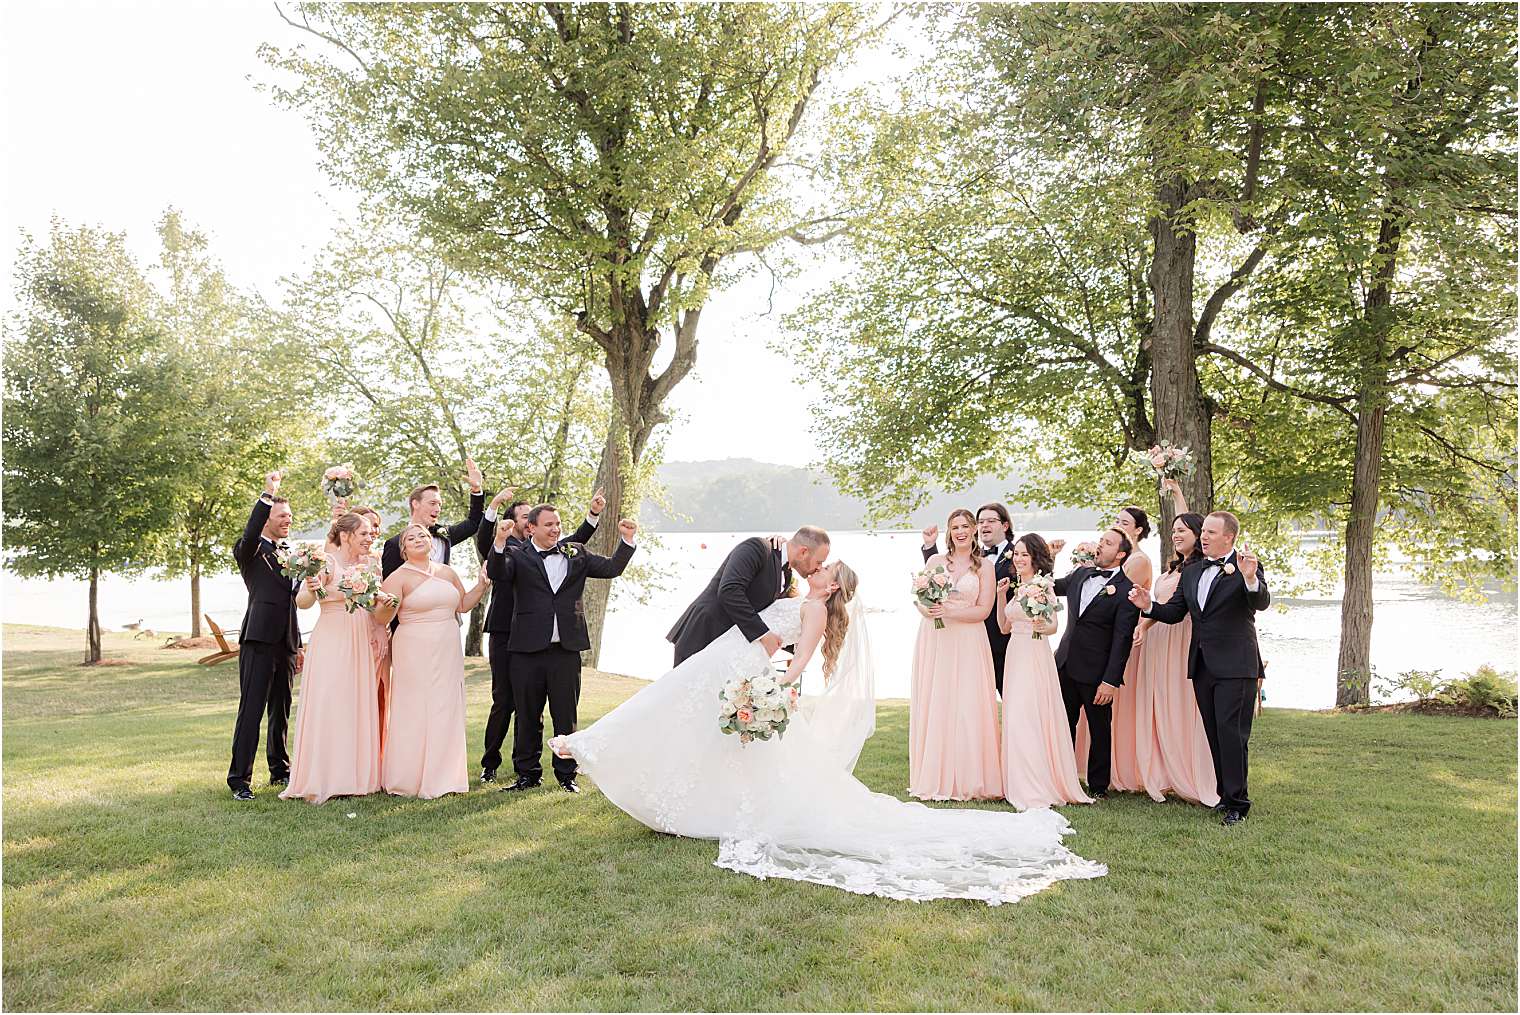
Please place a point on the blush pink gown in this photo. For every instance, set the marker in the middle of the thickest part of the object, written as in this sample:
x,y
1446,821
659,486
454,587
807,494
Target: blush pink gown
x,y
336,748
952,714
1039,768
424,739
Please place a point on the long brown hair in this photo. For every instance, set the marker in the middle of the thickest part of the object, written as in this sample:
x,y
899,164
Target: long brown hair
x,y
976,553
838,621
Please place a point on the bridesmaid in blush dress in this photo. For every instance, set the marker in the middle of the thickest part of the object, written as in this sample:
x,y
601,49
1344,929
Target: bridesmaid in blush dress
x,y
424,741
952,715
1039,768
336,748
379,635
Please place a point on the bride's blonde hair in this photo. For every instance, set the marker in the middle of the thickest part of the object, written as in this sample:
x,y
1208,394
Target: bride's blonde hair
x,y
838,621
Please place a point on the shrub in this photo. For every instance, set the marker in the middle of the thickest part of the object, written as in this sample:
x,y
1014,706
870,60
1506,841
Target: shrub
x,y
1484,689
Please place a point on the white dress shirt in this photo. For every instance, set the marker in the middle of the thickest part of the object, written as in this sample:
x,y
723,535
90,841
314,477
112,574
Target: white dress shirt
x,y
1090,589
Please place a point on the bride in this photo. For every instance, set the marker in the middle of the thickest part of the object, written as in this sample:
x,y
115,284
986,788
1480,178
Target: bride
x,y
789,807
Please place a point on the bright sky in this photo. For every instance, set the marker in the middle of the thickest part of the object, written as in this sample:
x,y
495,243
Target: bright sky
x,y
115,111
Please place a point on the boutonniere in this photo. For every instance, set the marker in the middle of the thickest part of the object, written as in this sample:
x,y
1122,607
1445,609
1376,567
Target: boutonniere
x,y
1108,590
570,549
1229,569
1006,555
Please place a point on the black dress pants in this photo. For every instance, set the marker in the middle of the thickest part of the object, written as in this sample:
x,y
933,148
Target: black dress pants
x,y
1227,707
500,719
1078,697
552,675
266,673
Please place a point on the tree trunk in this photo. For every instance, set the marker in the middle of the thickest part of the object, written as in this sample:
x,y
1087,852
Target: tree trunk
x,y
195,598
610,478
1353,668
475,633
561,442
1180,410
92,632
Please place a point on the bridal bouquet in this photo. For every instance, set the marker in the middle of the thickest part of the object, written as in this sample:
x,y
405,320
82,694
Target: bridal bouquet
x,y
1083,555
1169,461
339,482
1037,597
361,590
302,563
756,708
932,585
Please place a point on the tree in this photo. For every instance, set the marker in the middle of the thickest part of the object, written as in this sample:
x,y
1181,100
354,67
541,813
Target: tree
x,y
417,372
611,161
241,422
93,414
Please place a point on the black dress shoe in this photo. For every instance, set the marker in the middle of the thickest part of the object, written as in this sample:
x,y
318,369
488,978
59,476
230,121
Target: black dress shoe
x,y
488,775
521,783
1219,808
1101,794
569,786
283,780
242,793
1233,818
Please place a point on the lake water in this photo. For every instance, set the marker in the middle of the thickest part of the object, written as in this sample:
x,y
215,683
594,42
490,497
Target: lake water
x,y
1415,627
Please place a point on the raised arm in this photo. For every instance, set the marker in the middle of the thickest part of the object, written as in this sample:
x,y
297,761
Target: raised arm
x,y
460,531
931,542
244,550
1170,612
814,619
467,598
598,566
501,566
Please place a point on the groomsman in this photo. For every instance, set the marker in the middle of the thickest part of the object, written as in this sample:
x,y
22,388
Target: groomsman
x,y
509,532
425,503
1100,627
548,633
1222,593
994,529
268,643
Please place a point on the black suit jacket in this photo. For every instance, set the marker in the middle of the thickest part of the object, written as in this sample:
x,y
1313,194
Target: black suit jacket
x,y
453,535
271,614
1224,630
749,580
536,606
499,612
1096,645
995,636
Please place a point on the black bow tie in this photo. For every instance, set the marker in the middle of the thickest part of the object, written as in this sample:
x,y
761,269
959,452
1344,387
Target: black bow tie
x,y
1100,573
551,551
990,552
1211,562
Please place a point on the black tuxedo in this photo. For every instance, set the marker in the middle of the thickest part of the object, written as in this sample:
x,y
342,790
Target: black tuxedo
x,y
268,641
452,535
499,626
751,578
541,667
1094,651
996,639
1224,661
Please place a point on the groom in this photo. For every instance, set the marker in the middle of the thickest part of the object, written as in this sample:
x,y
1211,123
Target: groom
x,y
1095,648
752,577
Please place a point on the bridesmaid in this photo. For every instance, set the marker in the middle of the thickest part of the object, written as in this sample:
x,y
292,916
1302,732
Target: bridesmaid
x,y
379,635
1178,758
336,750
952,715
424,744
1132,734
1039,768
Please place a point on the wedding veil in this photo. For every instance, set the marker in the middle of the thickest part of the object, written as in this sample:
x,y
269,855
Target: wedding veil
x,y
843,715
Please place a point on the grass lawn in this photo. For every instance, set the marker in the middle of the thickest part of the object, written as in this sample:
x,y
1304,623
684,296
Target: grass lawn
x,y
1377,871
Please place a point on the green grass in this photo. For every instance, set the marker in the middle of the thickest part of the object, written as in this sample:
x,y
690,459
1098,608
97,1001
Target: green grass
x,y
1378,871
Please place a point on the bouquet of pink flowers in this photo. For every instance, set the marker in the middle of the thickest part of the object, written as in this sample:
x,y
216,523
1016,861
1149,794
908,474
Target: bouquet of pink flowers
x,y
1170,461
1037,597
1084,554
301,563
932,585
757,708
339,482
361,590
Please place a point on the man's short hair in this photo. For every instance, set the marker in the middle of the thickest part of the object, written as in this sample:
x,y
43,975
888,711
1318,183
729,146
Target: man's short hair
x,y
1124,543
512,509
416,495
1001,510
1230,522
812,537
535,513
279,500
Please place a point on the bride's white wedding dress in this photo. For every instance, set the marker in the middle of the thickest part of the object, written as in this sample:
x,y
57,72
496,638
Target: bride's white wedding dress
x,y
790,808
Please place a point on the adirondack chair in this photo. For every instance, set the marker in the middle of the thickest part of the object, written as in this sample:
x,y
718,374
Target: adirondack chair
x,y
224,650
